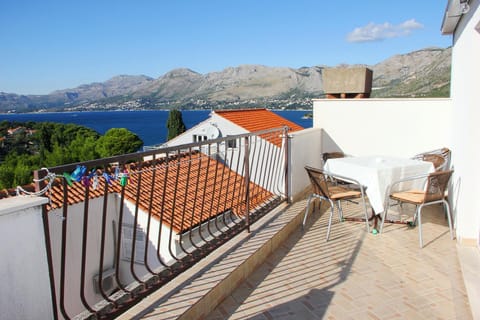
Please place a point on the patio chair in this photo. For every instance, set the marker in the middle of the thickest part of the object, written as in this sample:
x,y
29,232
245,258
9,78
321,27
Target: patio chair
x,y
433,193
323,189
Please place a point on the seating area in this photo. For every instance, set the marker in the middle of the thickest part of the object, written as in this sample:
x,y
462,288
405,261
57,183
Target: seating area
x,y
355,275
420,181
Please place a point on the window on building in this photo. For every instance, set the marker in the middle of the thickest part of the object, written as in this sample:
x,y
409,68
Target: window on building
x,y
232,143
199,138
128,243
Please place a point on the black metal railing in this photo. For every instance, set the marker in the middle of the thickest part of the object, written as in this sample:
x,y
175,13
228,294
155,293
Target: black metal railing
x,y
119,228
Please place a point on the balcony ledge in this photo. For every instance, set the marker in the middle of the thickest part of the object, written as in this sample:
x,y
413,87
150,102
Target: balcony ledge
x,y
15,204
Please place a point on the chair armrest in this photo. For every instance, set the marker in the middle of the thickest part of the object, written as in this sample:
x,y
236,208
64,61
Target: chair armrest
x,y
396,182
346,179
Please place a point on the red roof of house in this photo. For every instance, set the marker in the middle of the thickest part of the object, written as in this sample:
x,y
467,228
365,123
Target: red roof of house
x,y
259,119
193,186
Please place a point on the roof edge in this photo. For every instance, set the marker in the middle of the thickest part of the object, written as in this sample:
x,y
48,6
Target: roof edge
x,y
453,13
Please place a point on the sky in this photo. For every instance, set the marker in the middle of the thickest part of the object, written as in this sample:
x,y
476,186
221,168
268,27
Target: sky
x,y
51,45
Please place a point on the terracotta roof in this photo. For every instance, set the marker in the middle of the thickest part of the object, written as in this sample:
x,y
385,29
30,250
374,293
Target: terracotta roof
x,y
197,188
259,119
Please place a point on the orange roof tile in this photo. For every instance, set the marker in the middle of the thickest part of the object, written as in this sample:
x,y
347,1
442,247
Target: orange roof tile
x,y
259,119
184,191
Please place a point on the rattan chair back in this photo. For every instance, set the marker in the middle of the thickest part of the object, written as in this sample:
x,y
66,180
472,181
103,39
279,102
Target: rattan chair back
x,y
440,158
318,181
437,183
437,160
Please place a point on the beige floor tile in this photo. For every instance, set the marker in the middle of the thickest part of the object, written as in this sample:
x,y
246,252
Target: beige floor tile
x,y
355,275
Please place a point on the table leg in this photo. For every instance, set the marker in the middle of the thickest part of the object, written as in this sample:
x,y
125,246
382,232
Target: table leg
x,y
376,219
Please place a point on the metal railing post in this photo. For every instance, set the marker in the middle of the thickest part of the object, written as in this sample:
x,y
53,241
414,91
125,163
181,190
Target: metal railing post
x,y
247,183
286,141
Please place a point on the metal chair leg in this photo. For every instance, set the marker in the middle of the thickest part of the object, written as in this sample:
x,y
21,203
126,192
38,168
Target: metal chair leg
x,y
384,215
366,214
419,218
340,211
418,214
447,208
330,220
306,210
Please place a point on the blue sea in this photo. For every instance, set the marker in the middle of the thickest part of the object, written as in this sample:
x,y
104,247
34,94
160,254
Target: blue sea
x,y
150,126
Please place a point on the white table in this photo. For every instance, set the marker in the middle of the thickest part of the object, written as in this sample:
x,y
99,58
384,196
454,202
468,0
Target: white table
x,y
376,173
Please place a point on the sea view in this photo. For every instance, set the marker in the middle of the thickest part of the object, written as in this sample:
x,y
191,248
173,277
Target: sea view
x,y
150,126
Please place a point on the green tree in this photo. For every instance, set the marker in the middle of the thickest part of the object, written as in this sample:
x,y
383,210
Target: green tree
x,y
175,124
118,141
17,169
7,176
55,144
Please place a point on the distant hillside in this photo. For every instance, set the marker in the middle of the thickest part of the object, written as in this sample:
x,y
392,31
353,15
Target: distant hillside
x,y
422,73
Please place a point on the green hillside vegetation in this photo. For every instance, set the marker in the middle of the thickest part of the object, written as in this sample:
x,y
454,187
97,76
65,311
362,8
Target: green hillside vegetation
x,y
422,87
33,145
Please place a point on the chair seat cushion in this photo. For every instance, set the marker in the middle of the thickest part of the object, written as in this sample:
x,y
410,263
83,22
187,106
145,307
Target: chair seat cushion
x,y
410,196
341,193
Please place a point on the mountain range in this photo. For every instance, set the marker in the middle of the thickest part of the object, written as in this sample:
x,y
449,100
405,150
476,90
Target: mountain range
x,y
422,73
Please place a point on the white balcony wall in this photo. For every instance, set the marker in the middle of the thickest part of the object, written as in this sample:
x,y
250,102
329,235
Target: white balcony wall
x,y
466,130
305,149
25,290
396,127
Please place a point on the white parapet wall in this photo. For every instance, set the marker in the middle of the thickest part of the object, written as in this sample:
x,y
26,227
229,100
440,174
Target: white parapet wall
x,y
305,149
25,282
397,127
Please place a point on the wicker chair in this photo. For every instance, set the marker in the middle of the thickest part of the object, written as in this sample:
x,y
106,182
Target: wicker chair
x,y
434,192
334,194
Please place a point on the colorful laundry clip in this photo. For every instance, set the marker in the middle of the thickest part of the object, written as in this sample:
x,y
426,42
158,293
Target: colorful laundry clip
x,y
86,181
68,178
78,173
124,178
108,178
95,182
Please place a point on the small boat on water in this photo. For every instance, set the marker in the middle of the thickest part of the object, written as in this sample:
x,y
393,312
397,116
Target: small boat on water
x,y
308,116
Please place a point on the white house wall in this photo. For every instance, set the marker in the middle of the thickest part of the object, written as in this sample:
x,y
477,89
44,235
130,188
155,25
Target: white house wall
x,y
397,127
187,136
142,221
271,179
465,119
234,157
225,127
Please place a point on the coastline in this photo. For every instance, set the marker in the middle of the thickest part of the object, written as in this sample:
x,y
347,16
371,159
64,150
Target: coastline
x,y
149,125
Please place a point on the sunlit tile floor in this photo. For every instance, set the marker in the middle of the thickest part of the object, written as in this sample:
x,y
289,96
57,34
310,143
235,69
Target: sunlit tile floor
x,y
356,275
